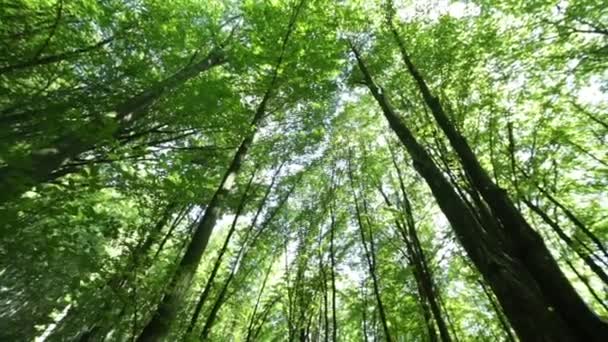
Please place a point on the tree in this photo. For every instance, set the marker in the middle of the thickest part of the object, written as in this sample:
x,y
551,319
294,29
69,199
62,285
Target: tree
x,y
303,170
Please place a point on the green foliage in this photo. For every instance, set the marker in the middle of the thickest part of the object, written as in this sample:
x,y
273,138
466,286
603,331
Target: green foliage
x,y
90,248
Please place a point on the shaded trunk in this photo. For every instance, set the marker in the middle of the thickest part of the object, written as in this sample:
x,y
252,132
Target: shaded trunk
x,y
167,311
515,287
210,281
523,243
422,294
218,302
264,317
419,258
220,256
251,325
417,271
332,258
364,312
178,220
159,325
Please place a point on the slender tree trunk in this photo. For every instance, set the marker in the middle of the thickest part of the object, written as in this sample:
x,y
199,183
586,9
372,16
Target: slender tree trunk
x,y
417,270
364,311
220,256
324,309
422,295
522,240
585,281
419,258
369,252
515,287
588,259
332,259
55,58
39,166
219,300
263,318
576,221
167,311
178,220
242,251
159,325
250,326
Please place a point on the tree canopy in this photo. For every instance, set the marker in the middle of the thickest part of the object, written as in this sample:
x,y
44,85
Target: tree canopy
x,y
303,170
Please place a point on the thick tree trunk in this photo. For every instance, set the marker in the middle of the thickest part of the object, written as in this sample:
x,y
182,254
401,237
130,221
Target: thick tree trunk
x,y
524,243
38,167
523,300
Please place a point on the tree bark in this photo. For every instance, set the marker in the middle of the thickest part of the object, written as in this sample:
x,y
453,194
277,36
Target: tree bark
x,y
39,166
525,304
524,243
419,258
159,325
218,261
369,257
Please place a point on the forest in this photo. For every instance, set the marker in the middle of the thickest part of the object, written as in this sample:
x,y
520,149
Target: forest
x,y
304,170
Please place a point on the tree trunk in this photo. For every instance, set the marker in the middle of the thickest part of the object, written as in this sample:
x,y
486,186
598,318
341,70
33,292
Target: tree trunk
x,y
209,283
55,58
251,325
524,243
159,325
418,256
19,176
369,257
332,258
515,287
218,260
